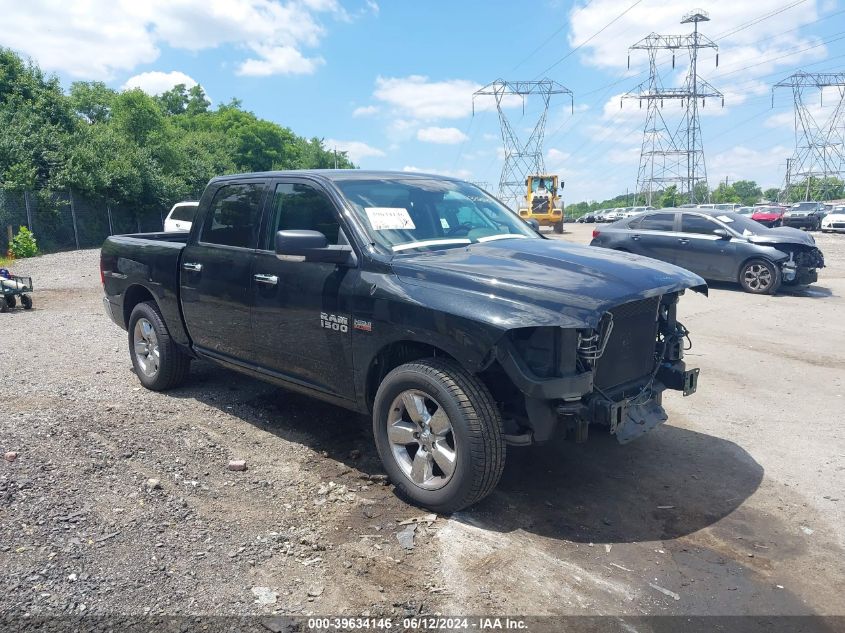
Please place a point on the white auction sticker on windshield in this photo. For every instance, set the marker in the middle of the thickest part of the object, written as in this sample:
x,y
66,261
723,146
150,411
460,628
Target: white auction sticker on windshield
x,y
724,218
389,218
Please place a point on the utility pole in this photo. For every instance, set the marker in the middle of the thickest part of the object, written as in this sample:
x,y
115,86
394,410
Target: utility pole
x,y
819,143
673,154
521,159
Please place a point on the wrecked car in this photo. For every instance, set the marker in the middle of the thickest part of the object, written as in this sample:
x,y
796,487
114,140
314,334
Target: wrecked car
x,y
719,246
418,300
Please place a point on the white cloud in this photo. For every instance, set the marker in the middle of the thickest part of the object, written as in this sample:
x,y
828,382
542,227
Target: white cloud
x,y
765,166
156,82
97,39
279,60
355,150
557,156
417,97
441,135
767,38
363,111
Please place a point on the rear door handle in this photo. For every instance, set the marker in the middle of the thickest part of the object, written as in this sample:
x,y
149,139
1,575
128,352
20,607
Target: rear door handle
x,y
270,280
683,240
635,237
194,268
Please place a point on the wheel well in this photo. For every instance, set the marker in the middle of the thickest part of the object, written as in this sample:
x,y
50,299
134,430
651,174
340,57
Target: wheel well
x,y
393,355
132,297
750,259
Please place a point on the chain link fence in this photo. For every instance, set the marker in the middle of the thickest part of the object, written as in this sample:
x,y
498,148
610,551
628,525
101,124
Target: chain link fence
x,y
65,220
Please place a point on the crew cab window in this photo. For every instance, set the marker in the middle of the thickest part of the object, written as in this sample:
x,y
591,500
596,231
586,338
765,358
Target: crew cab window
x,y
658,222
697,224
234,216
298,206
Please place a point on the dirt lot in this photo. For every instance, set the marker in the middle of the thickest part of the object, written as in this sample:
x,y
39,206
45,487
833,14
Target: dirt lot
x,y
735,506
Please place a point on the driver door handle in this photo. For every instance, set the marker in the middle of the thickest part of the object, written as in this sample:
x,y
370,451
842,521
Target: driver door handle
x,y
270,280
683,240
635,237
194,268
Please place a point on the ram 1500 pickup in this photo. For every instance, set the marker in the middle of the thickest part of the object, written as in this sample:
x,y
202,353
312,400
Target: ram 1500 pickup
x,y
419,300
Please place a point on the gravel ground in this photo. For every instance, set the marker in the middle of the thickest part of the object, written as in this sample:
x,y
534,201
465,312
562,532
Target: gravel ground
x,y
120,500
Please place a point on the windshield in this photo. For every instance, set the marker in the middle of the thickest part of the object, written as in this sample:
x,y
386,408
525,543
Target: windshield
x,y
742,224
805,206
542,184
422,213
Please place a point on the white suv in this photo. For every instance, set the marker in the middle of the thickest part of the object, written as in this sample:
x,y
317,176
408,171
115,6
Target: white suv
x,y
181,217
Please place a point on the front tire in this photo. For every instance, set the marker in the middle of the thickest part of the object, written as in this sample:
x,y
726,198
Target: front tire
x,y
558,227
759,277
11,301
158,361
439,434
26,302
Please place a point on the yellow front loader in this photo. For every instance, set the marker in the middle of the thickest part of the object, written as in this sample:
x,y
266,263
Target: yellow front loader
x,y
542,202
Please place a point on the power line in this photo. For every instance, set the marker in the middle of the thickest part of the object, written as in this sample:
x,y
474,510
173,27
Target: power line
x,y
593,36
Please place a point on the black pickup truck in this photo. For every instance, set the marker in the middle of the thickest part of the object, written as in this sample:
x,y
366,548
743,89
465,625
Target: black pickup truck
x,y
417,299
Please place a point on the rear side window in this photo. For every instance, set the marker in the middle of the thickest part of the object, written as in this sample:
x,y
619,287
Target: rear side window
x,y
697,224
299,206
657,222
184,213
234,216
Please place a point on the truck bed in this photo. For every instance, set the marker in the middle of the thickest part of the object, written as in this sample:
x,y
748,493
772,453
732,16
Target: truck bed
x,y
151,260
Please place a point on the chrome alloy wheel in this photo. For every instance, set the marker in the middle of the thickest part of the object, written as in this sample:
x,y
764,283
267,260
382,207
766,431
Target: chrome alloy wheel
x,y
421,439
146,347
758,277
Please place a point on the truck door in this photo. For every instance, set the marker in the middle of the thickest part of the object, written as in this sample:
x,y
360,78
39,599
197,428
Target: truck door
x,y
301,320
216,270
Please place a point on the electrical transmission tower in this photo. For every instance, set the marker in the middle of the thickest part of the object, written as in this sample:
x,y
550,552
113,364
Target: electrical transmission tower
x,y
819,158
673,155
521,159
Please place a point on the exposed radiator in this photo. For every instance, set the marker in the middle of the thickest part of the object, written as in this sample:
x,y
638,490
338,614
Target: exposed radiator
x,y
629,354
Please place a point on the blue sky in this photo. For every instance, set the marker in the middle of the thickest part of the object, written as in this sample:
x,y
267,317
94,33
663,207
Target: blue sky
x,y
391,82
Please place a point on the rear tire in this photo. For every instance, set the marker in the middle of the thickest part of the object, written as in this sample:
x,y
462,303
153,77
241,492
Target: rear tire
x,y
759,277
558,227
158,361
4,307
26,302
439,434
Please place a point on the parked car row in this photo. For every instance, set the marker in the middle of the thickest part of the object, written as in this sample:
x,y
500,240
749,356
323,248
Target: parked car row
x,y
612,215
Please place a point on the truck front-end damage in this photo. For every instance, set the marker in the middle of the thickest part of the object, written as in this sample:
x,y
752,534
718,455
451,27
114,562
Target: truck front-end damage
x,y
611,375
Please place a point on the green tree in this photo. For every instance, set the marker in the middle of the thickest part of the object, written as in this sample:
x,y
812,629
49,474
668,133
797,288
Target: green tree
x,y
771,194
748,191
670,197
92,100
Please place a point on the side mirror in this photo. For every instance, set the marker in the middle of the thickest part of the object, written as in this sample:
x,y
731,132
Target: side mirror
x,y
562,184
311,246
722,233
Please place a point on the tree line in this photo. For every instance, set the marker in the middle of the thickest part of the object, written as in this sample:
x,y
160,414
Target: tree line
x,y
745,192
126,147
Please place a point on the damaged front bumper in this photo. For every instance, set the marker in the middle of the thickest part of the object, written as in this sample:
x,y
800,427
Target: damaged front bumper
x,y
576,401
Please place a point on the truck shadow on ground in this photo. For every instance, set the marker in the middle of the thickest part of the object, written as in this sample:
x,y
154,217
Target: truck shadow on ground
x,y
670,483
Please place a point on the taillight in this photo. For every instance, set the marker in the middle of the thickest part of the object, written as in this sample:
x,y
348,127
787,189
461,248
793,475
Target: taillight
x,y
596,233
102,274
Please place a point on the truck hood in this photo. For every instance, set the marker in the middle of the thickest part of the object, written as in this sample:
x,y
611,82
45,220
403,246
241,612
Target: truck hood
x,y
529,282
783,235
